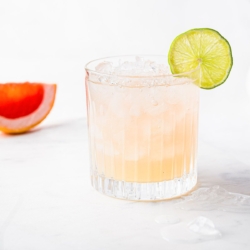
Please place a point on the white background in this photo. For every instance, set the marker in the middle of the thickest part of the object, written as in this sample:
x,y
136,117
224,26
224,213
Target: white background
x,y
51,41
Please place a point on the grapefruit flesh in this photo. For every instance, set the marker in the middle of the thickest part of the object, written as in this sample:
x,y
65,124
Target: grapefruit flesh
x,y
18,100
24,105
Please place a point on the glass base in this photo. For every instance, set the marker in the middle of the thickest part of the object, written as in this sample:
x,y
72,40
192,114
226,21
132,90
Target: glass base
x,y
151,191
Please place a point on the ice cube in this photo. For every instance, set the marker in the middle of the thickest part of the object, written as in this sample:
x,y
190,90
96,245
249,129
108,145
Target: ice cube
x,y
135,110
139,61
140,66
109,148
176,94
180,234
200,230
104,67
204,227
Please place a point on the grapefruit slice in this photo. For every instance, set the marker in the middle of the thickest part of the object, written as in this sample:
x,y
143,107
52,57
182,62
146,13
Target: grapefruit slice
x,y
24,105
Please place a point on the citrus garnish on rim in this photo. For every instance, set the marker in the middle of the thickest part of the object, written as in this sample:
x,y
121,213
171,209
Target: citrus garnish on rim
x,y
204,48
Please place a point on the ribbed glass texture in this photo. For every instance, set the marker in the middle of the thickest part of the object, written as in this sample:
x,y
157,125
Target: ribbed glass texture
x,y
142,134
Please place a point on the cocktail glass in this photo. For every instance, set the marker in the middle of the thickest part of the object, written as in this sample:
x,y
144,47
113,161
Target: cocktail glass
x,y
143,124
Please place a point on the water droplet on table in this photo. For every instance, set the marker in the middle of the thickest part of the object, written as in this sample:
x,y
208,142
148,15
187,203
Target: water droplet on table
x,y
167,219
216,198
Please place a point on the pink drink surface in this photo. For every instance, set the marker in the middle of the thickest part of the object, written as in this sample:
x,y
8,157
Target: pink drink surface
x,y
143,134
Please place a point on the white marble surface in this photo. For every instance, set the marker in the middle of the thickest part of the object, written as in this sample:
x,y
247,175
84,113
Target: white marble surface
x,y
47,202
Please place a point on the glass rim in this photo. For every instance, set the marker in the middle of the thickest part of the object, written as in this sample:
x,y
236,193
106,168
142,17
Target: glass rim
x,y
88,69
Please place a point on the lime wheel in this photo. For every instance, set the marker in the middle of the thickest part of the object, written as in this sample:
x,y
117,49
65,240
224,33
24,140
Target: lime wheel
x,y
203,49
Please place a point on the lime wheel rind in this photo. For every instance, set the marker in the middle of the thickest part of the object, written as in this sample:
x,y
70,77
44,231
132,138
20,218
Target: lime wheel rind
x,y
193,57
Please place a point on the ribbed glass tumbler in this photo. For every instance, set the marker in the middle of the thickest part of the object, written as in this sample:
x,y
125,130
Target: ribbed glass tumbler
x,y
142,124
